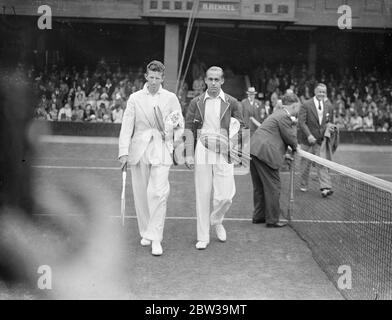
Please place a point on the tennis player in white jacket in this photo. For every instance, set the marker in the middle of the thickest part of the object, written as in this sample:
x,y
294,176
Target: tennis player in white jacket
x,y
148,151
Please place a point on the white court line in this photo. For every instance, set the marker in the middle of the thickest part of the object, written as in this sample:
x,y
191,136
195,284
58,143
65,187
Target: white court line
x,y
127,217
293,220
233,219
93,168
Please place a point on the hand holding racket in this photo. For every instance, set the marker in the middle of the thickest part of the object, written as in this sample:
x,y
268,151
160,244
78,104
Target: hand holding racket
x,y
124,162
124,179
219,143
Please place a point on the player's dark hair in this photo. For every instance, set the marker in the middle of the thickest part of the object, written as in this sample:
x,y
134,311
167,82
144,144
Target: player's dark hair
x,y
156,66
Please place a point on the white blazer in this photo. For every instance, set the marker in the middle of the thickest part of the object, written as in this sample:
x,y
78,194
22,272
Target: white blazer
x,y
138,129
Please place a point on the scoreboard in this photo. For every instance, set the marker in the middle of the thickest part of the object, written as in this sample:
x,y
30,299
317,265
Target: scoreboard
x,y
269,10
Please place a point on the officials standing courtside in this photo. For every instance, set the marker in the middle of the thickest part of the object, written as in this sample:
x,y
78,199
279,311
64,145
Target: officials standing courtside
x,y
312,123
268,147
252,110
142,146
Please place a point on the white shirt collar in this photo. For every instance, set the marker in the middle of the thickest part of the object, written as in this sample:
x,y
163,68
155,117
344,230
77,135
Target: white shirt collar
x,y
221,95
317,102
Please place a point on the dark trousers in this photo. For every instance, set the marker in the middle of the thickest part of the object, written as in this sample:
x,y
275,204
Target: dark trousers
x,y
266,191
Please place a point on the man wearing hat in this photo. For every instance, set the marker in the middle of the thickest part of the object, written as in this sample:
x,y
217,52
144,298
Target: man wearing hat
x,y
251,109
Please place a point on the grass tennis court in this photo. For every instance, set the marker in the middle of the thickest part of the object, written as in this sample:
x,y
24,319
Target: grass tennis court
x,y
254,263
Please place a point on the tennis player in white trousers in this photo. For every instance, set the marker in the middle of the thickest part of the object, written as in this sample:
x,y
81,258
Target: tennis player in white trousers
x,y
143,146
211,112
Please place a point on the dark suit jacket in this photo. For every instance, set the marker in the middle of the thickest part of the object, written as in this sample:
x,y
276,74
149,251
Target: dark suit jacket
x,y
250,111
269,142
308,121
195,117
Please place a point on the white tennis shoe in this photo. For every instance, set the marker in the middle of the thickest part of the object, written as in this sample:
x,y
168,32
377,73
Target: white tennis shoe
x,y
156,248
220,232
145,242
200,245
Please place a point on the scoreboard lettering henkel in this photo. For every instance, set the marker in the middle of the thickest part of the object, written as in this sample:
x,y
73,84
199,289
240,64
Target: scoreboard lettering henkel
x,y
273,10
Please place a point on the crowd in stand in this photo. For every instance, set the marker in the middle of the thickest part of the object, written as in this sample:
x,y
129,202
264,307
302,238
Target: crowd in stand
x,y
361,102
69,94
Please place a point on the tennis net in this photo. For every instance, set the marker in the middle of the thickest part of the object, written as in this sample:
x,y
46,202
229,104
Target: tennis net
x,y
348,232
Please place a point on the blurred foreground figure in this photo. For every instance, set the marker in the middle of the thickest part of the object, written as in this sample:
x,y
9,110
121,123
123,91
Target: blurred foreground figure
x,y
53,256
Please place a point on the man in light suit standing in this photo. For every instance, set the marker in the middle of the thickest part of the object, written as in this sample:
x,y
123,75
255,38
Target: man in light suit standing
x,y
312,120
268,147
211,112
142,146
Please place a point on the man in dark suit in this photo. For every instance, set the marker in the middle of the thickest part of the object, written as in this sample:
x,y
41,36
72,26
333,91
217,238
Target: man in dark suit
x,y
312,120
268,147
251,110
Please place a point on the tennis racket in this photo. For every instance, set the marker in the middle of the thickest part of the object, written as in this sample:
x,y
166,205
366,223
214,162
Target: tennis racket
x,y
124,179
158,117
219,143
290,207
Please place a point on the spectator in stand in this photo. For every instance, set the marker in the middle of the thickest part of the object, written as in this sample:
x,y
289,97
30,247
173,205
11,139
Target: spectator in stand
x,y
95,93
384,128
117,114
339,120
64,90
356,122
368,124
275,97
272,84
128,89
104,100
350,91
50,88
80,91
78,114
92,101
40,113
139,80
44,103
364,109
379,120
102,113
71,94
55,100
339,104
122,90
65,113
267,107
116,93
89,114
372,105
80,100
53,113
390,120
198,85
109,87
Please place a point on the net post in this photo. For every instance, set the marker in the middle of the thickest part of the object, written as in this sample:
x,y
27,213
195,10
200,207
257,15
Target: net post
x,y
291,200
